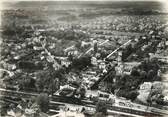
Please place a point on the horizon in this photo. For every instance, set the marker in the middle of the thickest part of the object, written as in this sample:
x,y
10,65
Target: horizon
x,y
4,3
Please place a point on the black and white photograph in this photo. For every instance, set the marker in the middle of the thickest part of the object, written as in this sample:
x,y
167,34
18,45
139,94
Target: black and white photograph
x,y
84,58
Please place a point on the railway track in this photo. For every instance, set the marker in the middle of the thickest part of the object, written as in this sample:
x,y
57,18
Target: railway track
x,y
17,93
56,101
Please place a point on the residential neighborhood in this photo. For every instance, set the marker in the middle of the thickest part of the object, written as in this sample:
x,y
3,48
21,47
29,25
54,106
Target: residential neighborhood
x,y
84,59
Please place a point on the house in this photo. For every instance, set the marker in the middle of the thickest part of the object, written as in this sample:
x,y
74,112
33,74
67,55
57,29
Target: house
x,y
166,98
146,86
144,92
69,48
157,86
102,65
94,61
64,61
120,69
166,43
128,66
68,114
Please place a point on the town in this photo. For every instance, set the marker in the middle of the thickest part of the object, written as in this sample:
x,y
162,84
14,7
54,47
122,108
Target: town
x,y
68,62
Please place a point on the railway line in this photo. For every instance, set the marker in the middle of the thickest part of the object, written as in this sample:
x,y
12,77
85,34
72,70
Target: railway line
x,y
56,101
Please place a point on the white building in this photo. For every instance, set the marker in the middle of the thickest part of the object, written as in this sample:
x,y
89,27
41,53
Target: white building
x,y
146,86
94,61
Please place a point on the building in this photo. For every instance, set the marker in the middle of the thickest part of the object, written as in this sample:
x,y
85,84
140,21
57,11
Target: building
x,y
71,51
64,61
166,98
94,61
102,65
68,114
120,69
146,86
128,66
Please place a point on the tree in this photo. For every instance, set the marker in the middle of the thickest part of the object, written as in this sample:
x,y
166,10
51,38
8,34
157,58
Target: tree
x,y
143,75
43,102
133,95
95,47
78,44
150,75
128,50
81,63
27,83
49,79
3,111
70,57
82,92
53,86
42,80
144,65
99,114
134,72
160,100
101,107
